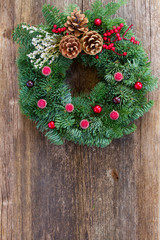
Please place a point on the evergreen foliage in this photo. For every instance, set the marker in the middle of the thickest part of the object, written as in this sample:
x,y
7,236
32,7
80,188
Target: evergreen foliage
x,y
102,130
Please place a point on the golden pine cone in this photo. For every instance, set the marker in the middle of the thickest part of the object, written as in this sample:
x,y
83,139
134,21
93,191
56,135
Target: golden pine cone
x,y
76,23
70,46
92,42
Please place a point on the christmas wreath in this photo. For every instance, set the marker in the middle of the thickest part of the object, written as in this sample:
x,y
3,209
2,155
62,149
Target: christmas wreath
x,y
96,40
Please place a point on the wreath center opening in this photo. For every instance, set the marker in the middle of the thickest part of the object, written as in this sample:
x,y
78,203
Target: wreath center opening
x,y
81,79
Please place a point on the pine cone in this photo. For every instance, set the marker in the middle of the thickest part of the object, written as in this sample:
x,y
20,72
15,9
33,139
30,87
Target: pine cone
x,y
70,46
92,42
76,23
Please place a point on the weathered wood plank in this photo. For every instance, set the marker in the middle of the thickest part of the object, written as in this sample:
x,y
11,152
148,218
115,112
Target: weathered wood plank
x,y
74,192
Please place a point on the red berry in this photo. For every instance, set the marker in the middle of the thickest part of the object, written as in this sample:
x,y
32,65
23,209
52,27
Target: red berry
x,y
115,30
97,109
114,27
112,44
138,85
64,28
96,56
84,124
132,41
119,38
109,34
104,46
118,35
113,48
125,54
105,34
97,22
46,70
56,31
114,115
118,28
51,125
138,42
116,100
112,31
42,103
105,38
59,30
109,39
132,38
118,76
67,33
69,107
53,30
55,26
121,25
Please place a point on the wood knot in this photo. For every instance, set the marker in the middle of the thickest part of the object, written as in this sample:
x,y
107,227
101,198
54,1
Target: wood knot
x,y
7,33
115,175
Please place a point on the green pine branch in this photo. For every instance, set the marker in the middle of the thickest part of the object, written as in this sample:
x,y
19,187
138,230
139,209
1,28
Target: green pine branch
x,y
53,16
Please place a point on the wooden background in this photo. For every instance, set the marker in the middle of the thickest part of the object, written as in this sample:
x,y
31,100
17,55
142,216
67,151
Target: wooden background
x,y
72,192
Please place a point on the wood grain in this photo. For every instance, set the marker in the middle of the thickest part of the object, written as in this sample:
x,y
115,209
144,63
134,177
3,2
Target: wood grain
x,y
73,192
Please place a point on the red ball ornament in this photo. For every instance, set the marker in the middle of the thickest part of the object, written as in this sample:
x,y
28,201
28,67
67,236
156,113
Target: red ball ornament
x,y
84,124
116,100
46,71
30,84
97,22
138,85
125,54
51,125
118,76
69,107
97,109
114,115
42,103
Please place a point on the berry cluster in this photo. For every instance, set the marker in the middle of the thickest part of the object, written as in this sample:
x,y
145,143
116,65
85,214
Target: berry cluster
x,y
109,44
132,40
58,30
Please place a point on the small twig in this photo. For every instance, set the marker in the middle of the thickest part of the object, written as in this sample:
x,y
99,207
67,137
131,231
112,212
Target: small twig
x,y
127,30
118,53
